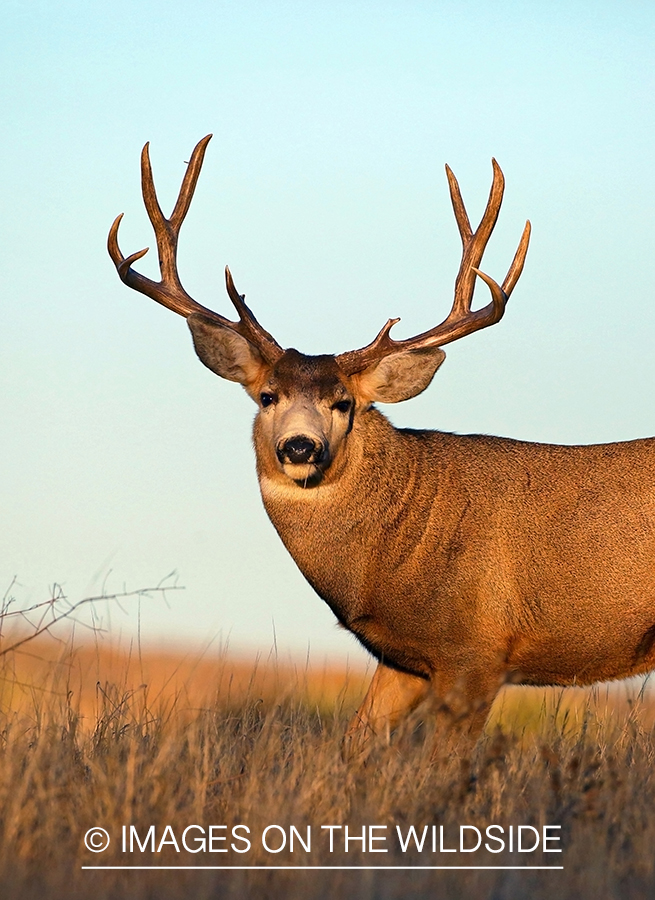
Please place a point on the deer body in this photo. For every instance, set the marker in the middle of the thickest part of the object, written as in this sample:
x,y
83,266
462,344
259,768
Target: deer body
x,y
460,562
506,557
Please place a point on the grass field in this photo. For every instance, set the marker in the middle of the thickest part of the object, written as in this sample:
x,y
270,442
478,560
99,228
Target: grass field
x,y
112,738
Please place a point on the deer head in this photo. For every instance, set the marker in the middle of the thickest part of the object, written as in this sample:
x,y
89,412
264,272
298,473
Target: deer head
x,y
308,405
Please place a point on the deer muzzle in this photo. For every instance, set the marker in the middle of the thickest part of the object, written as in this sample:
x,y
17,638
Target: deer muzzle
x,y
300,450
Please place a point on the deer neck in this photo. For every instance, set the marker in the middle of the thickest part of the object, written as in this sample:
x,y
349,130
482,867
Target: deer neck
x,y
329,529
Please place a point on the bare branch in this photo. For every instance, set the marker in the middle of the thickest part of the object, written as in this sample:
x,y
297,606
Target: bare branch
x,y
43,616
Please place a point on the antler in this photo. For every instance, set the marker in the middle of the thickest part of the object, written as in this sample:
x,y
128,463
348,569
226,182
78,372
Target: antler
x,y
461,319
169,291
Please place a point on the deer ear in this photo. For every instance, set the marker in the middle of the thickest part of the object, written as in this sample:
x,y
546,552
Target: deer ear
x,y
399,376
225,352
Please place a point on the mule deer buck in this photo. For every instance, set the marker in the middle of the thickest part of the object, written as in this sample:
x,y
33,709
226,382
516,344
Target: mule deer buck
x,y
459,561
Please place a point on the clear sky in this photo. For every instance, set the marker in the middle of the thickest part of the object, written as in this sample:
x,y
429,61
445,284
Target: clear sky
x,y
122,457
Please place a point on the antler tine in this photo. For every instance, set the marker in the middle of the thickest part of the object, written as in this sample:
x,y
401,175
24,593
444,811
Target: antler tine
x,y
188,182
249,327
169,291
463,221
461,320
473,245
167,230
516,268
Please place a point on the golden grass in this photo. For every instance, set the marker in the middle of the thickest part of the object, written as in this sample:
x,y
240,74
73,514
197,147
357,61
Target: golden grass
x,y
99,737
164,678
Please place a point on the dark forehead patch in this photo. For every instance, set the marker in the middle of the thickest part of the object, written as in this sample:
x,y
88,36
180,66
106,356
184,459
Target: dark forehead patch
x,y
319,375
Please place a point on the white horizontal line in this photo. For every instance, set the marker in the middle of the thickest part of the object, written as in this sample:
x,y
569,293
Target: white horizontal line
x,y
319,868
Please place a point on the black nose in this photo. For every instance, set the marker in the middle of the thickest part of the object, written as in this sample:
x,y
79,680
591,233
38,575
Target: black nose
x,y
299,449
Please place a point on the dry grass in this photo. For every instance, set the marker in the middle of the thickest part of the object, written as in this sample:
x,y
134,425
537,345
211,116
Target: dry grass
x,y
186,681
107,739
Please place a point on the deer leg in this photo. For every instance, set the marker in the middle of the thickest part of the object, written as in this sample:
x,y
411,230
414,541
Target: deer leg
x,y
391,696
462,705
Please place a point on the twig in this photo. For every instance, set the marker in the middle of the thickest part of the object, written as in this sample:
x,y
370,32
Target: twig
x,y
49,612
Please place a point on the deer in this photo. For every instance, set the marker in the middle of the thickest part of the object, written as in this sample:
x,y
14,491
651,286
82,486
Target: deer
x,y
460,562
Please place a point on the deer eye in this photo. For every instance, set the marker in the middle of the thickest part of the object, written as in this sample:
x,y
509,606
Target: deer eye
x,y
343,406
267,399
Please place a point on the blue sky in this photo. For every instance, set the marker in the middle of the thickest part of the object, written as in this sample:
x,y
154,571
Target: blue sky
x,y
324,190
